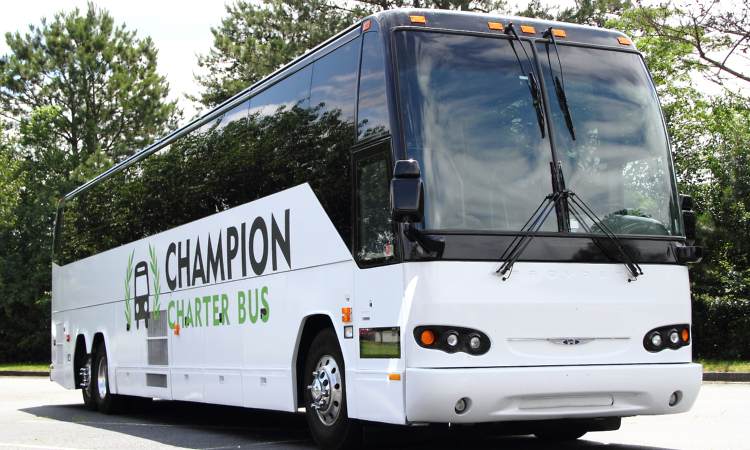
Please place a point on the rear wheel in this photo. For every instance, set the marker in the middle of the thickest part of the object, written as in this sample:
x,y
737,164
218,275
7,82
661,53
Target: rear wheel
x,y
105,400
325,395
88,391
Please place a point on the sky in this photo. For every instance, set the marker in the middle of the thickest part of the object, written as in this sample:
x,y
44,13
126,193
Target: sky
x,y
181,30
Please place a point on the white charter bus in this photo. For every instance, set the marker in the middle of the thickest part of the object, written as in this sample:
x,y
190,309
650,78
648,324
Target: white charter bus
x,y
432,217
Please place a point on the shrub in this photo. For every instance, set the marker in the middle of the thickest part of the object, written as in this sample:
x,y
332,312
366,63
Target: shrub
x,y
721,327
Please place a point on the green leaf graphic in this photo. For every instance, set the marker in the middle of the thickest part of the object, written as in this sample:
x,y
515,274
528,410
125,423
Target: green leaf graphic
x,y
155,281
128,279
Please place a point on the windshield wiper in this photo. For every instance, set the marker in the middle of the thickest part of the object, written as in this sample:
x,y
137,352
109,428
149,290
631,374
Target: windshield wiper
x,y
523,238
578,208
536,95
562,99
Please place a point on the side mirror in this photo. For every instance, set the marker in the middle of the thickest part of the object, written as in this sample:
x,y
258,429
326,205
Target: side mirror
x,y
688,217
407,192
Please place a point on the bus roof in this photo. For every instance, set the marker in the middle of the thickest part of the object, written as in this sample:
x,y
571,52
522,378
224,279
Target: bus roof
x,y
388,20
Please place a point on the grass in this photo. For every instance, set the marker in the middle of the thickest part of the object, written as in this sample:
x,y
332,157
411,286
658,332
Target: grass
x,y
719,365
26,367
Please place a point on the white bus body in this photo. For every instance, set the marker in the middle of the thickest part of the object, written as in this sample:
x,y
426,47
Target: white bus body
x,y
235,298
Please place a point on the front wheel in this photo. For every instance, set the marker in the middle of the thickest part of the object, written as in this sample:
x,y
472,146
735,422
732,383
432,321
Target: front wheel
x,y
325,395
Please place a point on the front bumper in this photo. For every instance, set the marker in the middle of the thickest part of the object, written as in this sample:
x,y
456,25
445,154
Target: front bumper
x,y
537,393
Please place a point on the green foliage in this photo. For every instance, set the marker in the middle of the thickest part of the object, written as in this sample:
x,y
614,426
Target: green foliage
x,y
83,93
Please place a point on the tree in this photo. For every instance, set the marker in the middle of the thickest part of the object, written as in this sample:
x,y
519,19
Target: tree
x,y
82,93
101,78
254,40
719,34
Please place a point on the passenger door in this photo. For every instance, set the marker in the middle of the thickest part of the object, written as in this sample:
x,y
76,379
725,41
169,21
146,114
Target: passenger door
x,y
378,288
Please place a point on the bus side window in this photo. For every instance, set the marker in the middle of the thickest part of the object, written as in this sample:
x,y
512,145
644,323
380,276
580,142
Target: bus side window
x,y
375,240
372,114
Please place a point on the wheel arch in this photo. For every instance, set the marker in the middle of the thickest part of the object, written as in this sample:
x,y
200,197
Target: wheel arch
x,y
310,326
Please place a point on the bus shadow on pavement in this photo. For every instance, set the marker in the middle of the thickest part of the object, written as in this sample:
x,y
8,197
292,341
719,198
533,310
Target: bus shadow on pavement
x,y
197,425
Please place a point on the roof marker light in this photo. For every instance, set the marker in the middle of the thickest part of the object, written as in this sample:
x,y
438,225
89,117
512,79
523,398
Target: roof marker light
x,y
528,29
557,32
624,41
366,25
495,26
417,19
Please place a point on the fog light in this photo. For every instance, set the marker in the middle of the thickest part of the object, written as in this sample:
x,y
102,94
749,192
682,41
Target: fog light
x,y
452,339
674,337
462,405
675,398
656,340
474,342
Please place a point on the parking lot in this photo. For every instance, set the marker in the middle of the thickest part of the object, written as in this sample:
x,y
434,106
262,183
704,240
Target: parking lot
x,y
38,414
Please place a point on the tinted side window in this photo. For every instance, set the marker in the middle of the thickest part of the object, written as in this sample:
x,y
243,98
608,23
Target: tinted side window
x,y
375,238
272,142
332,100
334,82
372,115
293,91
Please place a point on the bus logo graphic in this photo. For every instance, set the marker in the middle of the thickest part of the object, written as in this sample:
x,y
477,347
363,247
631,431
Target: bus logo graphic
x,y
142,294
141,282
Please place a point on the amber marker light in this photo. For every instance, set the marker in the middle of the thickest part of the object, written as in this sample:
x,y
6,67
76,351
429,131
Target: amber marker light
x,y
528,29
623,40
685,335
556,32
427,337
394,376
495,26
366,25
418,19
346,314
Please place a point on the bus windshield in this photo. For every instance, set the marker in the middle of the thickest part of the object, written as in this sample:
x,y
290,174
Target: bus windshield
x,y
469,120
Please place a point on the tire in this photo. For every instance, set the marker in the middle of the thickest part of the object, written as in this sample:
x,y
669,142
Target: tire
x,y
88,392
560,435
329,423
106,401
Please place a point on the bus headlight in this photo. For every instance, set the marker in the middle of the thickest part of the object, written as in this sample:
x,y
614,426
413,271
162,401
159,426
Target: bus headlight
x,y
452,339
656,340
669,336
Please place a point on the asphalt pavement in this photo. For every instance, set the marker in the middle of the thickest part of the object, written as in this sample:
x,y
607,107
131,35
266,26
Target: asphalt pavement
x,y
38,414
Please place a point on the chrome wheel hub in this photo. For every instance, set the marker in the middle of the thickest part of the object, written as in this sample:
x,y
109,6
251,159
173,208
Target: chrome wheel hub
x,y
327,390
101,378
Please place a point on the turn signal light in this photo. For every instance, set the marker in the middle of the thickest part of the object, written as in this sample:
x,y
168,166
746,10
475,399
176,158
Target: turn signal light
x,y
418,19
427,338
346,314
685,335
623,40
556,32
